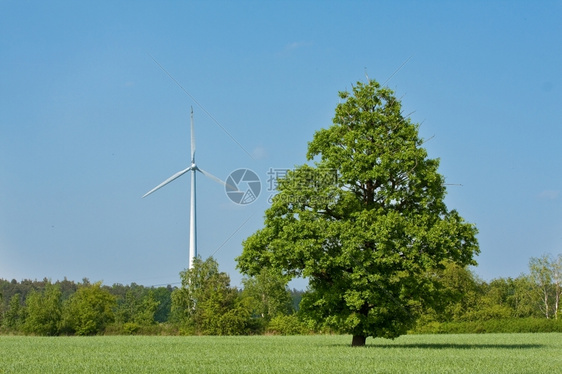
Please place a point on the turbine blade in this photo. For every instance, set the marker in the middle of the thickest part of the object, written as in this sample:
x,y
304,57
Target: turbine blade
x,y
192,139
218,180
173,177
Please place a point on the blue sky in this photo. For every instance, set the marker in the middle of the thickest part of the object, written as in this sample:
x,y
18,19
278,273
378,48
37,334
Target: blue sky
x,y
89,122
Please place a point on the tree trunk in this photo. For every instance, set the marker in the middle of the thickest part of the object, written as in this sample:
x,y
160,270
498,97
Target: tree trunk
x,y
556,300
358,341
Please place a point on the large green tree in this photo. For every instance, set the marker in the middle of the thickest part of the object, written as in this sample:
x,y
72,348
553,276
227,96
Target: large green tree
x,y
367,224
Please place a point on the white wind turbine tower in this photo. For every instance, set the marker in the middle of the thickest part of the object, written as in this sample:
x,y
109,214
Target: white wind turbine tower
x,y
193,213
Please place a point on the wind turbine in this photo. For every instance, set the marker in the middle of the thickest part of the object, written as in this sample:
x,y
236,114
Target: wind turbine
x,y
193,215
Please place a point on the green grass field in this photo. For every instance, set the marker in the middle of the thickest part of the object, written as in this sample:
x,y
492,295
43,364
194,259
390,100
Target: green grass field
x,y
486,353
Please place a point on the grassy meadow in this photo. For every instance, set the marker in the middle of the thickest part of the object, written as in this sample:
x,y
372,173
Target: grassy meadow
x,y
467,353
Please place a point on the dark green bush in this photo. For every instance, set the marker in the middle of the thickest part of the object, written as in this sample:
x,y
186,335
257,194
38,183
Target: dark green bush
x,y
287,325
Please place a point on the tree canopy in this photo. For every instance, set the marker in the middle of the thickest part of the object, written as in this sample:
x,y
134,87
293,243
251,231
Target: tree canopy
x,y
366,224
268,294
89,310
206,304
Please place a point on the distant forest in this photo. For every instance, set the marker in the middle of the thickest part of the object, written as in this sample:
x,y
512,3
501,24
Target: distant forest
x,y
68,308
528,303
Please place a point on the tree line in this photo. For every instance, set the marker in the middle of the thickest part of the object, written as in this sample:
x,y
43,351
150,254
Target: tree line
x,y
84,308
529,302
206,304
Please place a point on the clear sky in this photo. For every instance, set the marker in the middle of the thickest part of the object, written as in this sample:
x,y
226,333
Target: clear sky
x,y
89,122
